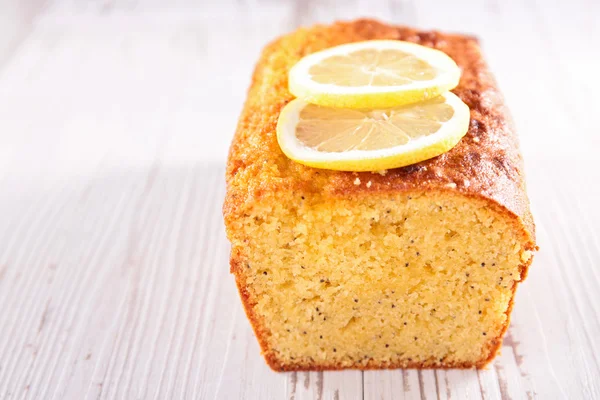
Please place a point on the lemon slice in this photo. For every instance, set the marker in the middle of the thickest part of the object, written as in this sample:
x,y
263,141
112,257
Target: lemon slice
x,y
373,74
371,139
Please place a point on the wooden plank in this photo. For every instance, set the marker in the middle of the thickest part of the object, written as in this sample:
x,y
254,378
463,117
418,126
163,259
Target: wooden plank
x,y
16,20
458,384
509,379
428,384
488,383
114,125
394,384
330,385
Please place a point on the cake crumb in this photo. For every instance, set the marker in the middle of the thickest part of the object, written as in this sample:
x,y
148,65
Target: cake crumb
x,y
357,181
382,172
476,139
451,185
369,184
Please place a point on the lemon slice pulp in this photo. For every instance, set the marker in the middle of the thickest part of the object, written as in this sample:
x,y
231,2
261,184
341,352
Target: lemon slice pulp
x,y
373,74
371,139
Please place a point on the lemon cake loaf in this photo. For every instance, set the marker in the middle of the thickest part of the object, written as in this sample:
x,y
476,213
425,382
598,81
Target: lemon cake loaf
x,y
414,267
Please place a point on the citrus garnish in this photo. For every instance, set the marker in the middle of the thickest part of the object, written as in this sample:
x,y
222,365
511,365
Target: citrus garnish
x,y
373,74
371,139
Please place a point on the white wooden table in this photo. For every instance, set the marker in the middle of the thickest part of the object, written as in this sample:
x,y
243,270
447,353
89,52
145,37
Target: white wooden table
x,y
115,118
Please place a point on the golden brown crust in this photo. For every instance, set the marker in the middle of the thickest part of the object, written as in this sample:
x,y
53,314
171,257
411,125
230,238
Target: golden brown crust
x,y
485,164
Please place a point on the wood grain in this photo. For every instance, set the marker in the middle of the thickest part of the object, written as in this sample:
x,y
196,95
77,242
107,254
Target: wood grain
x,y
115,119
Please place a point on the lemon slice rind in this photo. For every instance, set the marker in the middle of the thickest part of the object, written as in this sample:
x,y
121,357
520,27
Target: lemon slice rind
x,y
302,86
415,151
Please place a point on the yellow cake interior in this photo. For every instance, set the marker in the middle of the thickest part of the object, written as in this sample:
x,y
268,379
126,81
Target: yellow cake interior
x,y
412,279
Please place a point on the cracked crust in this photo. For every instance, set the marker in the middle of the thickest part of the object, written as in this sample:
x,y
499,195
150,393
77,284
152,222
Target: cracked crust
x,y
486,163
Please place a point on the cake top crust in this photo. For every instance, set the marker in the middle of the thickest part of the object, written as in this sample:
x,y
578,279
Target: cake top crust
x,y
486,163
